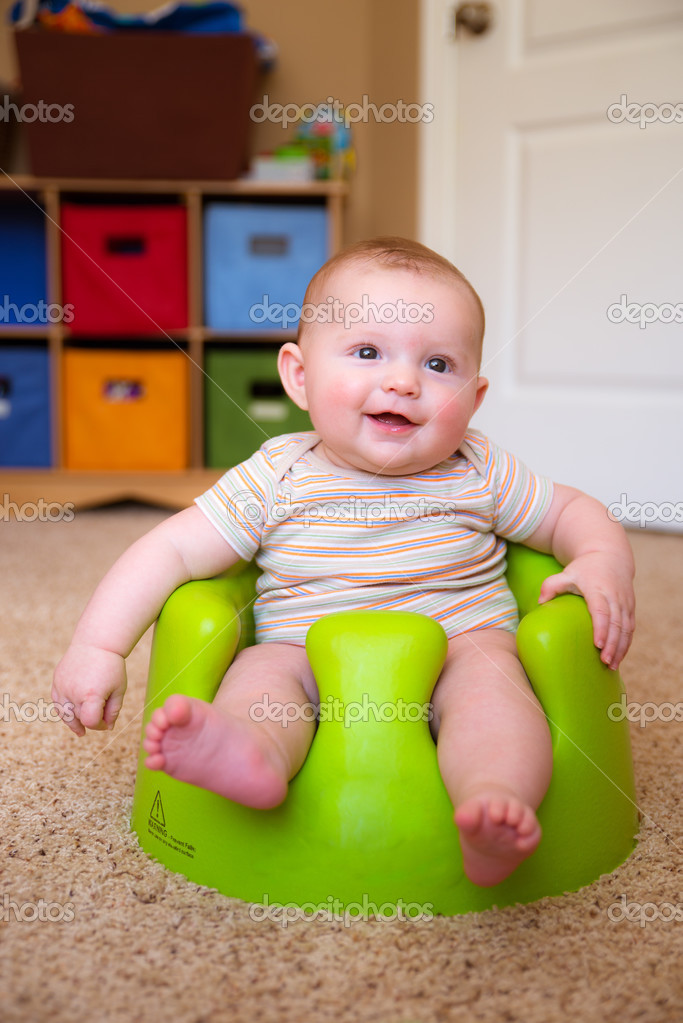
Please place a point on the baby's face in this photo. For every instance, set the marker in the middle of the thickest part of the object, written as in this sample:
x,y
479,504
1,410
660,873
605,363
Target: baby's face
x,y
390,398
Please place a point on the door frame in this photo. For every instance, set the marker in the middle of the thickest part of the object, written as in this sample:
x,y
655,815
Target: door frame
x,y
437,141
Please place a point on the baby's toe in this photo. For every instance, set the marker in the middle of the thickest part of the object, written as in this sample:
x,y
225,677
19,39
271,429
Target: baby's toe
x,y
159,720
178,709
155,761
515,813
469,816
498,810
153,732
528,822
151,744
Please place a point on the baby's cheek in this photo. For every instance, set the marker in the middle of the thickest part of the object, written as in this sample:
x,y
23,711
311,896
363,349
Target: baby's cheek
x,y
337,396
451,421
329,409
450,412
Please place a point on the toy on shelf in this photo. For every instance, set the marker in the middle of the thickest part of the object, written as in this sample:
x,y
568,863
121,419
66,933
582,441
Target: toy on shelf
x,y
321,149
325,134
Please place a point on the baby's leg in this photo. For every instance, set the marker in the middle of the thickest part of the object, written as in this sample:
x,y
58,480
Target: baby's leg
x,y
238,746
494,752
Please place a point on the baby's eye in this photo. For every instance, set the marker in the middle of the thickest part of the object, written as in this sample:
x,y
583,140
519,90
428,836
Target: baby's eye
x,y
437,365
367,352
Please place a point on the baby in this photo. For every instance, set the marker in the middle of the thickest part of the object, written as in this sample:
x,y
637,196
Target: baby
x,y
390,394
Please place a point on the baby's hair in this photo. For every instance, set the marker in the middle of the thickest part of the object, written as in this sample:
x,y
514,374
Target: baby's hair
x,y
391,253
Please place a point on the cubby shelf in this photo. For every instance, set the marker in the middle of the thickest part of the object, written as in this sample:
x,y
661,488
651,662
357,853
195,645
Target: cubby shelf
x,y
171,489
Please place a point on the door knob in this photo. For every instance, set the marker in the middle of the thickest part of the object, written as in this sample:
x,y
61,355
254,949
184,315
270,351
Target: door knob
x,y
475,18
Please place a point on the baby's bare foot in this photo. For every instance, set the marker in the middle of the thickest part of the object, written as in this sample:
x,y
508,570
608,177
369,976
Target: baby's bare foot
x,y
497,832
193,742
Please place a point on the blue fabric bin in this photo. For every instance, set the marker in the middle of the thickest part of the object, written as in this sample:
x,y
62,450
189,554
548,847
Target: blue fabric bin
x,y
24,407
257,256
23,265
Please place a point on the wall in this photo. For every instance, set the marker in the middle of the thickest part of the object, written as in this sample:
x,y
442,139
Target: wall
x,y
348,50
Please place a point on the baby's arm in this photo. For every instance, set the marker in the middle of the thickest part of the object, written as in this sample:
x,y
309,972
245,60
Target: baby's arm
x,y
598,565
91,677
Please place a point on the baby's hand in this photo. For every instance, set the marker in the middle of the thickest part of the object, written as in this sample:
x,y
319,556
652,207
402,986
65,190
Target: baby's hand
x,y
605,581
88,687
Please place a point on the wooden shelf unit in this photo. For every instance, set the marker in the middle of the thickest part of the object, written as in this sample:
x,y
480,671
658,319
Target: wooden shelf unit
x,y
88,489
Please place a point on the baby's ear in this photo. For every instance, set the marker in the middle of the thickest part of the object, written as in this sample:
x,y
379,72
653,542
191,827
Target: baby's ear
x,y
482,388
290,365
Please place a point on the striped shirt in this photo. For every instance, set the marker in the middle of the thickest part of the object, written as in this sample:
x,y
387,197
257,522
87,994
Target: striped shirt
x,y
330,539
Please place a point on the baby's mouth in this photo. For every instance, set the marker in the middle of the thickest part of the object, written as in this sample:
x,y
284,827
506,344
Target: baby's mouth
x,y
392,419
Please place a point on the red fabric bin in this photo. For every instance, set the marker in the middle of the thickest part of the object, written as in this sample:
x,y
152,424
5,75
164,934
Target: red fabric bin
x,y
124,268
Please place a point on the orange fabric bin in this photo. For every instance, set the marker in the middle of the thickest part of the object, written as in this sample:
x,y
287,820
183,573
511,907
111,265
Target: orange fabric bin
x,y
125,409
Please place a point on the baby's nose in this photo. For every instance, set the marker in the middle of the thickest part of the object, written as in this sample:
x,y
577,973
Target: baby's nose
x,y
401,378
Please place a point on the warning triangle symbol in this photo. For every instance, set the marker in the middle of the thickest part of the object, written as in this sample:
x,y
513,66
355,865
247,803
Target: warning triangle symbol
x,y
157,811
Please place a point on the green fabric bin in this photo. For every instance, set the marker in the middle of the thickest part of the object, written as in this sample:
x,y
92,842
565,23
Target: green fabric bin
x,y
245,404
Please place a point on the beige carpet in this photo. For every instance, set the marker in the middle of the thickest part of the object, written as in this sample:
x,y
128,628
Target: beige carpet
x,y
91,929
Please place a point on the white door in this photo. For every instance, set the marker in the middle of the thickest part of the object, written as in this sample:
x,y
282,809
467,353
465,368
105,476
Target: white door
x,y
552,175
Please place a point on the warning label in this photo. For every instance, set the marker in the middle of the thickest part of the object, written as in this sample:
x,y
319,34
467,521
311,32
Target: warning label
x,y
156,826
157,812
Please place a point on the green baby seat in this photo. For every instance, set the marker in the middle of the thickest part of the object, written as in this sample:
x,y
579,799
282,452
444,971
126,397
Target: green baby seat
x,y
367,825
